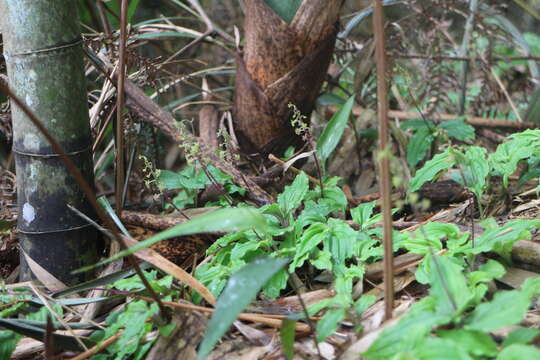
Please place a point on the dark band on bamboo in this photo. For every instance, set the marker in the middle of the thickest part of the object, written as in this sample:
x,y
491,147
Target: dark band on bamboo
x,y
37,155
66,45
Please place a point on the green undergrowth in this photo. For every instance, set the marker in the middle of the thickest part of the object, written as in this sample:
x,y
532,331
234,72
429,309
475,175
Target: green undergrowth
x,y
310,232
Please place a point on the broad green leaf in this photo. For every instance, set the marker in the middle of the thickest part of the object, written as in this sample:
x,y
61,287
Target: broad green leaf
x,y
440,230
313,212
241,289
286,9
458,129
334,198
529,175
340,242
287,334
364,303
44,313
428,238
530,135
490,270
189,178
506,308
521,336
134,322
531,286
291,198
160,285
474,342
323,261
418,147
228,219
500,239
507,156
13,310
475,169
431,169
343,286
362,214
440,349
310,239
241,249
416,324
8,343
448,284
277,283
327,325
519,352
333,131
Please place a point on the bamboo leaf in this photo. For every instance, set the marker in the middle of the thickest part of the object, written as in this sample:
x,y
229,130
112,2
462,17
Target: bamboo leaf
x,y
102,200
133,4
287,337
333,131
228,219
8,343
242,287
61,342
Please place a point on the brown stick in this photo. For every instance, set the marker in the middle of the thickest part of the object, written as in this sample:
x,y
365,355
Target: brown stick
x,y
270,320
384,153
120,100
473,120
208,120
97,348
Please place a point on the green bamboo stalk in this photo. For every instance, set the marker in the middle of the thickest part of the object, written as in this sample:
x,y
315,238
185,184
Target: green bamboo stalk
x,y
43,51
